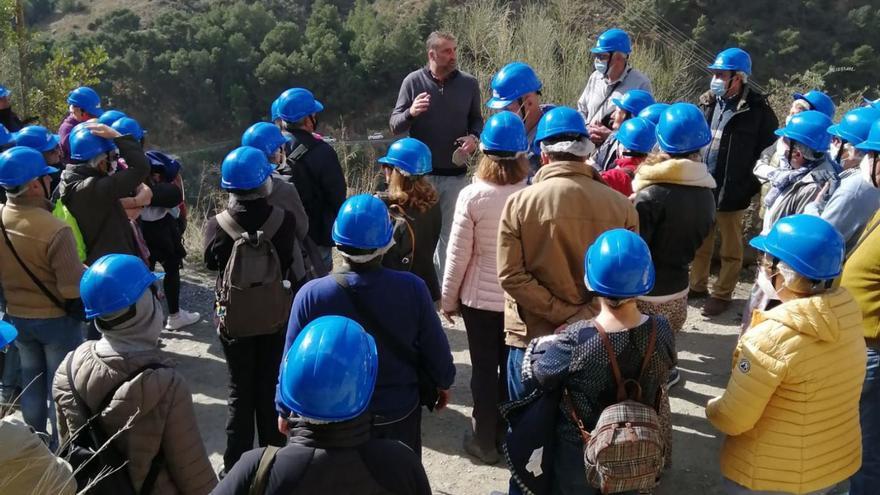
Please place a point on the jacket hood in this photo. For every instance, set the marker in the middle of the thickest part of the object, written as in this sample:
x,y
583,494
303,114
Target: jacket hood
x,y
562,169
675,171
817,316
73,174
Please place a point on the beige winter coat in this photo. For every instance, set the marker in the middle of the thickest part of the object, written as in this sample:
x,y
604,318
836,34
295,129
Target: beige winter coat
x,y
471,275
161,404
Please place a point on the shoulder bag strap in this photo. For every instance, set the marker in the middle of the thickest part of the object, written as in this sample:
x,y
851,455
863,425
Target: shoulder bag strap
x,y
46,292
273,223
230,226
569,406
261,478
612,358
373,327
649,350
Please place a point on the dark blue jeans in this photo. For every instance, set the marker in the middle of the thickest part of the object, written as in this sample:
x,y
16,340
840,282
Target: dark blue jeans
x,y
42,345
867,479
515,390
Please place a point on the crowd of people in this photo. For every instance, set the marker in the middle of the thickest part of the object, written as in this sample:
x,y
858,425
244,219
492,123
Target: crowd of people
x,y
570,251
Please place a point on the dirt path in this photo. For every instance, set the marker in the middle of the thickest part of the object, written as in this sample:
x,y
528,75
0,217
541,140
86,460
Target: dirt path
x,y
704,350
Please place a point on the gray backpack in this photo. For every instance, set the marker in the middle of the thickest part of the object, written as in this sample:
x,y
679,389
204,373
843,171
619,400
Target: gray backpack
x,y
252,296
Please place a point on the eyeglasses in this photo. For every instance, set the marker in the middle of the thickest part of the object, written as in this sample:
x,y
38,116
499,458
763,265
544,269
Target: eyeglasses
x,y
603,57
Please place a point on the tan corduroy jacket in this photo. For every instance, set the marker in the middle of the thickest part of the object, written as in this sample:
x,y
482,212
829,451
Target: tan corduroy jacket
x,y
544,233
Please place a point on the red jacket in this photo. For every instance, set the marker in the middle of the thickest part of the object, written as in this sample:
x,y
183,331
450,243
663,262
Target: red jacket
x,y
620,178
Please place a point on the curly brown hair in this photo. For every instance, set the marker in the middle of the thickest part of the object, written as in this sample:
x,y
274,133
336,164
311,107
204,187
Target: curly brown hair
x,y
661,156
503,172
411,191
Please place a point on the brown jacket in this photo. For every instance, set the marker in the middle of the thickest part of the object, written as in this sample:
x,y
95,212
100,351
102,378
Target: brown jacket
x,y
163,413
545,230
46,245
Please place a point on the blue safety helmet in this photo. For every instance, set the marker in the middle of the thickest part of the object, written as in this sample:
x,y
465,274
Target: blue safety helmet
x,y
266,137
873,141
36,137
110,116
20,165
653,112
363,222
613,40
682,129
512,82
808,244
8,333
274,109
560,121
86,98
330,370
297,103
244,168
855,125
504,132
409,155
5,136
634,101
735,59
618,264
809,128
113,283
163,163
4,92
127,126
84,145
637,134
818,101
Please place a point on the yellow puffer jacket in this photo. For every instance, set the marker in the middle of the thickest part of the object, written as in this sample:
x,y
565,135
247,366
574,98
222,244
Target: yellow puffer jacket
x,y
791,407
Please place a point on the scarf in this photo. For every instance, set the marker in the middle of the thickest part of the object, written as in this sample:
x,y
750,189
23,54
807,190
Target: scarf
x,y
784,177
139,333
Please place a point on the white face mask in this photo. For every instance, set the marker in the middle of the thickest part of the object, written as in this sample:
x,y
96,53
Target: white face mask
x,y
866,167
600,65
834,149
718,86
765,283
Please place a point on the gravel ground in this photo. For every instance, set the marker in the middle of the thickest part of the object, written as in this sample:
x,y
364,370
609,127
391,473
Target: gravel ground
x,y
704,351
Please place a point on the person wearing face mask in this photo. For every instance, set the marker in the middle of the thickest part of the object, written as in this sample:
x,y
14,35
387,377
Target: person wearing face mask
x,y
141,392
92,194
857,198
516,88
37,249
84,105
742,124
42,140
312,166
613,77
625,108
790,409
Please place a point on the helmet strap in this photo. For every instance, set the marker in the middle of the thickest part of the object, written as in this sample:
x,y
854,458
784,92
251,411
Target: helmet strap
x,y
874,170
840,151
46,192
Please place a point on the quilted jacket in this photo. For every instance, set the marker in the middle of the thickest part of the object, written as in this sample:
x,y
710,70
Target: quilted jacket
x,y
471,275
791,407
161,404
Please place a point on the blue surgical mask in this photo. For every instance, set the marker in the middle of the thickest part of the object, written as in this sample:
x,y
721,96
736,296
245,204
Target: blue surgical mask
x,y
600,65
718,86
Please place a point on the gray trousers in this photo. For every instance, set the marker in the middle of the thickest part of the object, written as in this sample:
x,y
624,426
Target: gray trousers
x,y
448,187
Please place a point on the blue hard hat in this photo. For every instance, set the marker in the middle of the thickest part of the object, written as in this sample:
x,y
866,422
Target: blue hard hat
x,y
363,222
86,98
244,167
504,132
634,101
409,155
330,370
163,163
618,264
264,136
84,145
560,121
733,59
513,81
808,244
637,134
872,143
8,333
297,103
110,116
127,126
36,137
274,110
114,282
855,125
5,136
613,40
818,101
809,128
682,129
4,92
653,112
20,165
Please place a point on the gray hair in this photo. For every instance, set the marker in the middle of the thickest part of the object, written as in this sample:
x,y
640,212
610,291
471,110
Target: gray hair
x,y
743,75
96,160
809,153
289,126
436,37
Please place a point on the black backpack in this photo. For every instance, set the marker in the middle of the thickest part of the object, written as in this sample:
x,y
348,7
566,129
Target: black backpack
x,y
92,455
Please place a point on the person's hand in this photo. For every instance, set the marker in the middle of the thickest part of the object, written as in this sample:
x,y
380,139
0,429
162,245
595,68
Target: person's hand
x,y
468,144
420,104
598,133
283,426
449,314
442,399
103,131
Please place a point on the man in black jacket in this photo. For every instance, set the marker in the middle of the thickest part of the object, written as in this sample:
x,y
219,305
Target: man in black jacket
x,y
742,125
312,166
7,117
330,449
